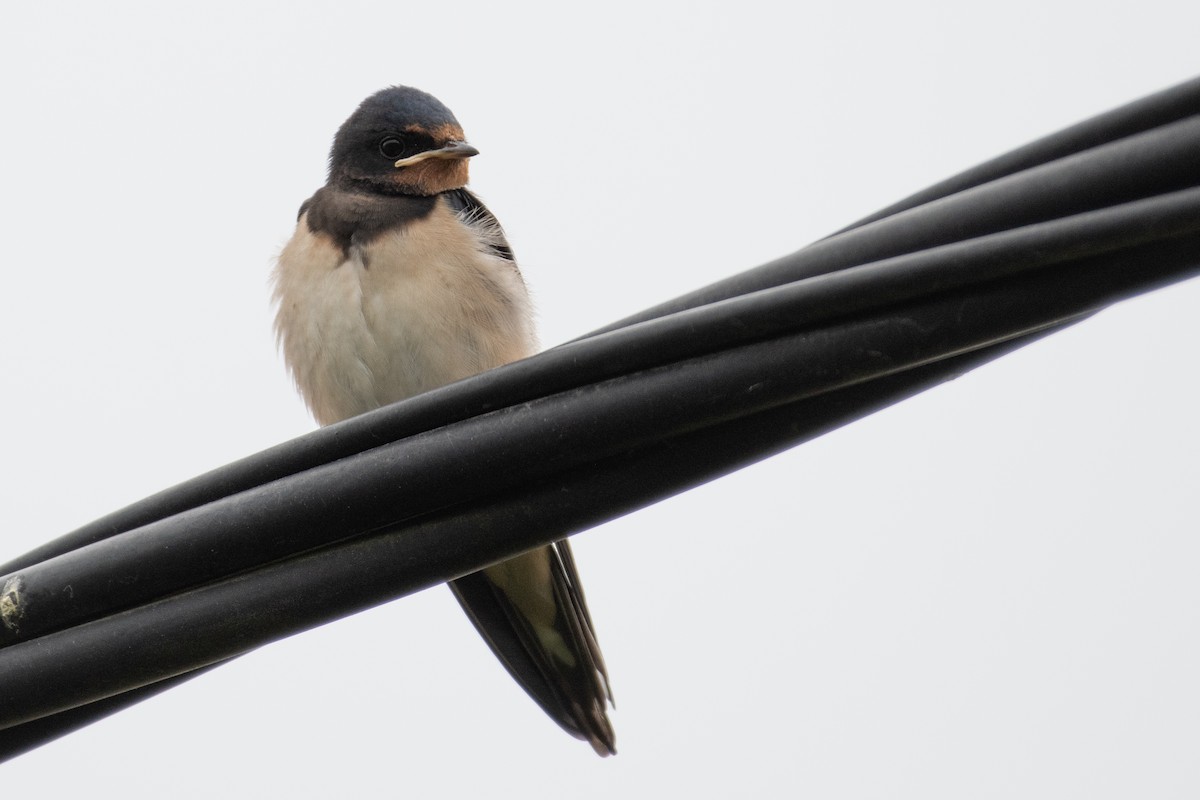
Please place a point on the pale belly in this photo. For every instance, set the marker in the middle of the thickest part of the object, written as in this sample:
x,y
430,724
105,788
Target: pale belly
x,y
411,311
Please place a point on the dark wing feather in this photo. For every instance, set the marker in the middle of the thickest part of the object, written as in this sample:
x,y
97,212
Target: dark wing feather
x,y
473,212
573,696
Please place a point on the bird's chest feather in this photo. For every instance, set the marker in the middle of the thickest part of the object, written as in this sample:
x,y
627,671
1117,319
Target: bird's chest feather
x,y
411,309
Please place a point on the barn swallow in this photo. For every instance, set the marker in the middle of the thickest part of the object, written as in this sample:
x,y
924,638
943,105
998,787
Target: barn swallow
x,y
399,280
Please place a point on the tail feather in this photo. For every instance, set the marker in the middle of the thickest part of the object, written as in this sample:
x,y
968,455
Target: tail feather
x,y
557,661
573,588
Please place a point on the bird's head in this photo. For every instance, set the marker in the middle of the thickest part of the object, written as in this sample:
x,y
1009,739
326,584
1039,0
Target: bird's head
x,y
400,141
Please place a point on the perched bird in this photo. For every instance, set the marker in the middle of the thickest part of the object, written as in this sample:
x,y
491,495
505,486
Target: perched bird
x,y
398,280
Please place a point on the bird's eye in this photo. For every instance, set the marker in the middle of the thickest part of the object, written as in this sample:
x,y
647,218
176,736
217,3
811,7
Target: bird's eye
x,y
391,147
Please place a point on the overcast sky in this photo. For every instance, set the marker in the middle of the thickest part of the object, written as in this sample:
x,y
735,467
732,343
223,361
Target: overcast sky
x,y
987,591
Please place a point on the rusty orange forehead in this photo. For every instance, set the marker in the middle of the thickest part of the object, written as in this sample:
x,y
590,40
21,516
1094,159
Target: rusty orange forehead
x,y
447,132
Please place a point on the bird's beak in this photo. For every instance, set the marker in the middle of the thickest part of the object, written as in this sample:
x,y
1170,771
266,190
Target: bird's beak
x,y
451,150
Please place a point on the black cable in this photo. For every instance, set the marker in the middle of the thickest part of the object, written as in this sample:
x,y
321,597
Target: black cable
x,y
1162,108
716,349
1152,161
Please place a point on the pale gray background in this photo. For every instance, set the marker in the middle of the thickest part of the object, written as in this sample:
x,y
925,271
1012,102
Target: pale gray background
x,y
988,591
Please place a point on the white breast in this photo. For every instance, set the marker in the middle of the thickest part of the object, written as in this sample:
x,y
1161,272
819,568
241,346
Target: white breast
x,y
416,308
